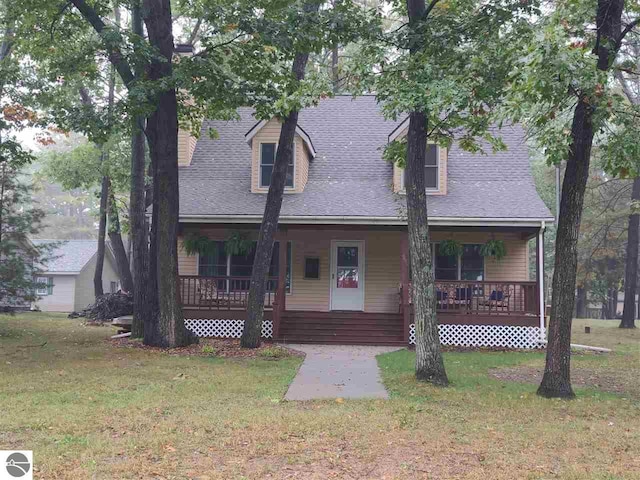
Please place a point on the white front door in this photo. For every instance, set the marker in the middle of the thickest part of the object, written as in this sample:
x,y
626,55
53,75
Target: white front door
x,y
347,275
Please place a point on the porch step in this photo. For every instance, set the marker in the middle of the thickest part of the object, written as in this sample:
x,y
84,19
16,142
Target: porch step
x,y
350,328
342,341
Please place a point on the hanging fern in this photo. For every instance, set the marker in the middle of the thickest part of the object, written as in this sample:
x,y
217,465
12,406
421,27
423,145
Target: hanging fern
x,y
450,248
494,248
194,243
238,243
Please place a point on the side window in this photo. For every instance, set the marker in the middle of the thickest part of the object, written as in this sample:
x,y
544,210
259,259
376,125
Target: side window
x,y
431,170
267,159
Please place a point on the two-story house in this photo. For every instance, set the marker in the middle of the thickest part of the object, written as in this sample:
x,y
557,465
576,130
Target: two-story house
x,y
340,269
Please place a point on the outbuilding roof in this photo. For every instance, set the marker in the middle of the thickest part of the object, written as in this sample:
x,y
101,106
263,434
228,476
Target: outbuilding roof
x,y
70,256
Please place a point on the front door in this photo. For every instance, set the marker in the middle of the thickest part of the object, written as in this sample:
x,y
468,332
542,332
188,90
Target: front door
x,y
347,275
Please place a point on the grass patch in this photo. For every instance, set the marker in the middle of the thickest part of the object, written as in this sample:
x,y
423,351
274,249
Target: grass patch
x,y
274,352
91,409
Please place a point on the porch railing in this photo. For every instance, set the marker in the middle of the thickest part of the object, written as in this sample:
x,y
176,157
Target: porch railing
x,y
222,292
483,298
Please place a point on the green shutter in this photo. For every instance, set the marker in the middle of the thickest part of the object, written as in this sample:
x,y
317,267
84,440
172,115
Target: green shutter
x,y
50,286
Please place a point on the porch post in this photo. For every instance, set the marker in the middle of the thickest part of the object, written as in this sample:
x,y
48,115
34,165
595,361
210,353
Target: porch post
x,y
540,275
404,282
281,292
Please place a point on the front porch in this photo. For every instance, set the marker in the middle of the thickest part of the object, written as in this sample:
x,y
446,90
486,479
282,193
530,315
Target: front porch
x,y
352,285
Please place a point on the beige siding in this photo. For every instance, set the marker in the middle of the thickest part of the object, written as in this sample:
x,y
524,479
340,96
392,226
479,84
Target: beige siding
x,y
187,264
62,299
270,133
382,263
186,147
442,172
84,281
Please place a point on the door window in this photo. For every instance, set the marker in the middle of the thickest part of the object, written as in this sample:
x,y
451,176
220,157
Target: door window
x,y
347,273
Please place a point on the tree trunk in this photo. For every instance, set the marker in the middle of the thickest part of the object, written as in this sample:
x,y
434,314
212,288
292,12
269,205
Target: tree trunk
x,y
631,267
142,293
162,128
102,230
556,381
264,249
119,252
334,69
429,361
581,303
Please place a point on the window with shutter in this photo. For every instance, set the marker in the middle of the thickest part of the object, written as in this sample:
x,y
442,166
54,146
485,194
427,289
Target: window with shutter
x,y
42,286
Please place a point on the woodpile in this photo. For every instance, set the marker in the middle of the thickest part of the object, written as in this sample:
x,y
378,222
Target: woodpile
x,y
107,307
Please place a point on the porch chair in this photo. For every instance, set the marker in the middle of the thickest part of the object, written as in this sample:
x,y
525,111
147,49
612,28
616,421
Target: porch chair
x,y
210,294
498,298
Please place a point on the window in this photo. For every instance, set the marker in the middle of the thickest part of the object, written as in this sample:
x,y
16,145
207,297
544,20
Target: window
x,y
113,287
446,266
312,268
214,264
267,161
468,266
472,266
44,286
219,264
431,169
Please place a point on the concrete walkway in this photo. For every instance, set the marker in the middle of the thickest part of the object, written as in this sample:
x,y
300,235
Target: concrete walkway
x,y
340,371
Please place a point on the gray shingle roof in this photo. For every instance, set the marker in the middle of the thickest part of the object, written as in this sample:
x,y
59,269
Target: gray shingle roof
x,y
70,256
348,177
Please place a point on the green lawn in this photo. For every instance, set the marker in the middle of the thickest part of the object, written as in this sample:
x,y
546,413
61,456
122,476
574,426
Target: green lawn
x,y
92,410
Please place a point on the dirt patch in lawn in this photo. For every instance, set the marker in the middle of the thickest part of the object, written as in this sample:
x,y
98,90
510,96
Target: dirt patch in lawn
x,y
215,347
603,380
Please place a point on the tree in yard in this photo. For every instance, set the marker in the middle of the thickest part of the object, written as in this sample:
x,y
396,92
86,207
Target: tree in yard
x,y
152,96
104,168
562,90
429,361
255,307
19,219
449,76
627,75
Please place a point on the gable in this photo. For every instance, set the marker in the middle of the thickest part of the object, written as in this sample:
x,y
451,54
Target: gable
x,y
269,133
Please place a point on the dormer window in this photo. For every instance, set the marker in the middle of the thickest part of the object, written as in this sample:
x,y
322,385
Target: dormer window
x,y
431,169
267,162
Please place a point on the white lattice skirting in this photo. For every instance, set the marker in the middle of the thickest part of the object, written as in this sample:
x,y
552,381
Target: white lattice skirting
x,y
223,328
508,336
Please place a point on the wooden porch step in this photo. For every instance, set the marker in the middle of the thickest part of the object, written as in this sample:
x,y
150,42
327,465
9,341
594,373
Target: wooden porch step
x,y
344,332
340,315
320,329
337,323
343,341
